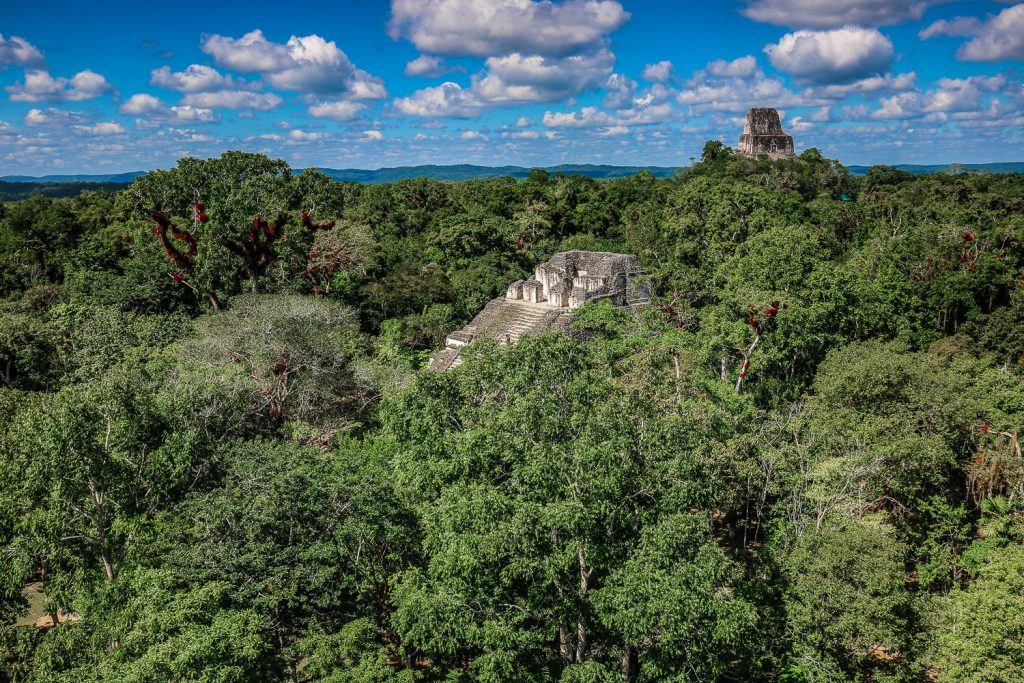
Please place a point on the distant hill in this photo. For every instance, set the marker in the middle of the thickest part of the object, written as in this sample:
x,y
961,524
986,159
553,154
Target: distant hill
x,y
14,187
15,191
920,169
80,178
470,172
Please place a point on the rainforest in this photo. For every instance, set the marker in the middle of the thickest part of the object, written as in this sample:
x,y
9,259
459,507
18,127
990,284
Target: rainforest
x,y
223,459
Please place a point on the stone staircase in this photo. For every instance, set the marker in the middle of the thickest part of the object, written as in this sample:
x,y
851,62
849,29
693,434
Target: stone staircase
x,y
519,318
504,320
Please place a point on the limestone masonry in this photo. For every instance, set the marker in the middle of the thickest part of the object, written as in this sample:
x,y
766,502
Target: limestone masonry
x,y
763,134
569,280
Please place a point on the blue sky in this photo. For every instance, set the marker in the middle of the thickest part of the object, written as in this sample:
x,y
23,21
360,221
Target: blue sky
x,y
103,87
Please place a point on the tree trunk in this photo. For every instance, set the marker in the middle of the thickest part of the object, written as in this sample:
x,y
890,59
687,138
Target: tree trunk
x,y
108,565
628,664
565,642
581,628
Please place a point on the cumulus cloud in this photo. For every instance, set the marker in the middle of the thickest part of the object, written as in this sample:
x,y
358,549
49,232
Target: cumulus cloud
x,y
52,115
620,91
744,67
592,117
196,78
874,85
484,28
16,51
836,13
472,135
953,96
837,56
40,86
152,111
426,65
233,99
998,39
104,128
448,100
958,26
373,135
516,78
520,135
340,110
659,72
309,64
705,91
297,135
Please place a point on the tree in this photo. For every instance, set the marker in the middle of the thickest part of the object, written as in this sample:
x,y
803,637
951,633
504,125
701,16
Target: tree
x,y
287,358
148,628
90,467
847,605
979,630
221,220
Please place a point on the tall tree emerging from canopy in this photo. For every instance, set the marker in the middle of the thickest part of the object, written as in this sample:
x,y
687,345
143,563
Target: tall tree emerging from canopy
x,y
223,223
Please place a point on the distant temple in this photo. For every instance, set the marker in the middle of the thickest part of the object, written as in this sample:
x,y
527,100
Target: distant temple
x,y
763,134
569,280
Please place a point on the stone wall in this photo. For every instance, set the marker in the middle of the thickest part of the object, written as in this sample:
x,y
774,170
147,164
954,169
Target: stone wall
x,y
763,134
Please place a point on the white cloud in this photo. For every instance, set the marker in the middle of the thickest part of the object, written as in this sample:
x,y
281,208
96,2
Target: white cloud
x,y
836,13
196,78
151,111
620,92
521,135
704,92
189,114
998,39
889,83
309,64
472,135
957,26
448,100
497,27
40,86
141,104
516,78
16,51
743,67
373,135
837,56
341,110
426,65
659,72
303,136
104,128
614,130
524,122
953,96
592,117
35,117
233,99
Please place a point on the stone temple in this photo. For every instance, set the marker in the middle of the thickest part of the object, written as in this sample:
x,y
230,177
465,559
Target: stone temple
x,y
763,134
544,302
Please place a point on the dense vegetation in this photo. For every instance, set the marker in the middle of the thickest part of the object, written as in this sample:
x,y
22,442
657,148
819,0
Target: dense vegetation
x,y
223,461
13,191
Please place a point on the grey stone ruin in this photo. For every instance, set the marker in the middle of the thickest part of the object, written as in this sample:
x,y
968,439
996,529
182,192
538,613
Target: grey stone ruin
x,y
763,134
545,301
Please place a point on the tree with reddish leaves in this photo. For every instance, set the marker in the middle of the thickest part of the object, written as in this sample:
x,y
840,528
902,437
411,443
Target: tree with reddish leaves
x,y
257,252
759,327
223,223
